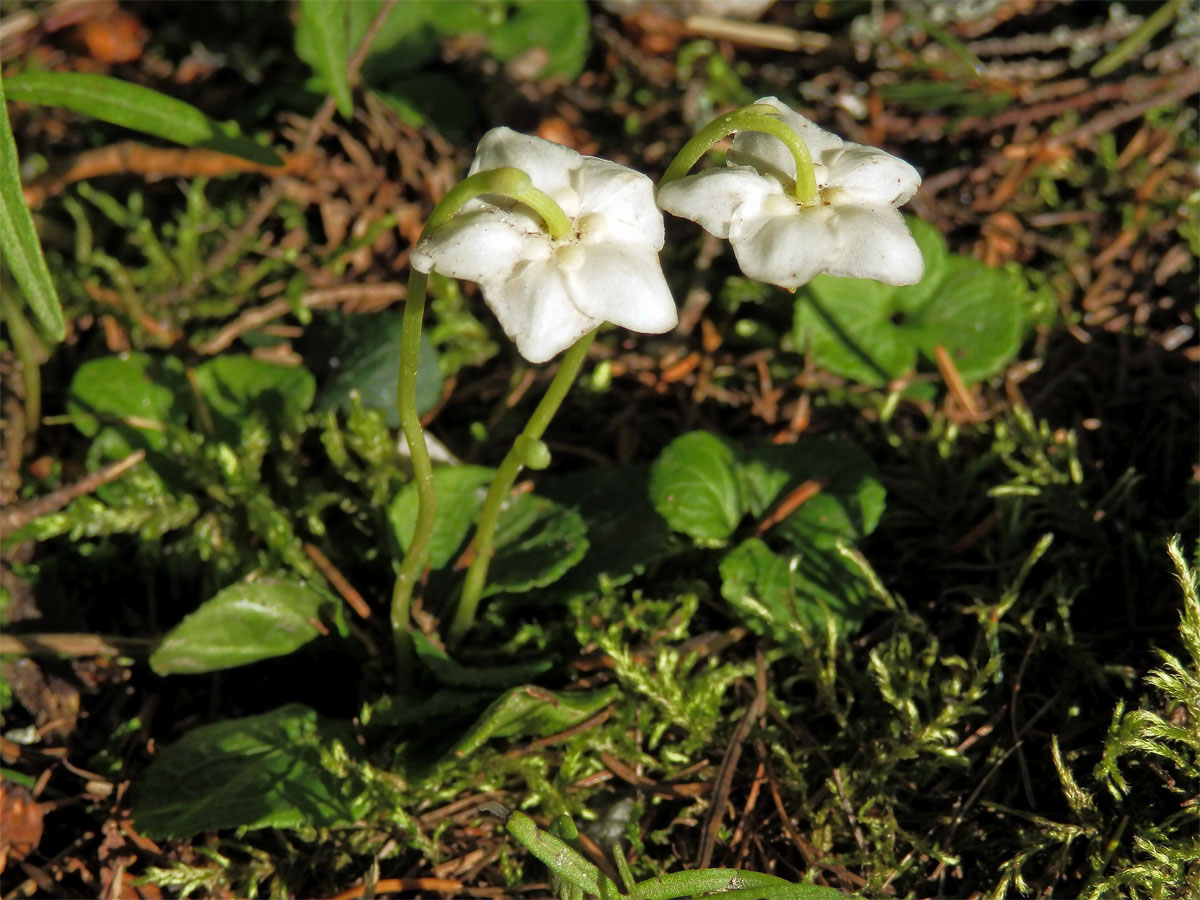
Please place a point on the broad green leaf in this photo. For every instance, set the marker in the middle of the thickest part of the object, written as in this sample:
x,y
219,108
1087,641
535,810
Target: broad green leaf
x,y
460,493
532,712
789,599
275,770
850,501
872,332
326,21
242,624
847,325
138,394
235,386
557,29
19,245
536,542
136,107
975,315
369,351
452,674
694,487
625,534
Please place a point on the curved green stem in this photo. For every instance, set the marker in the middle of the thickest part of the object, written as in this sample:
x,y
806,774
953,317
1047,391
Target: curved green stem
x,y
410,424
507,182
756,117
527,442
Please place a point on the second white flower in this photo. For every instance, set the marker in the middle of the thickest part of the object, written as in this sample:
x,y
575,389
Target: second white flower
x,y
853,230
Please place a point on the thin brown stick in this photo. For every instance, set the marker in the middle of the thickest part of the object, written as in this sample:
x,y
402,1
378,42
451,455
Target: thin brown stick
x,y
733,753
260,315
352,597
954,382
586,725
848,810
131,157
12,519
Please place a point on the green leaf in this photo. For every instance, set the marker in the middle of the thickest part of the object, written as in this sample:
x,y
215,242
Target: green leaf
x,y
275,770
846,324
694,487
460,492
625,534
789,600
848,505
370,357
242,624
235,386
558,29
136,107
452,674
19,244
326,21
975,314
534,712
133,391
536,542
873,333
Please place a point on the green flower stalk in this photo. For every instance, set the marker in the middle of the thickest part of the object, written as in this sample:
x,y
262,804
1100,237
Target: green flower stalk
x,y
527,450
588,254
515,185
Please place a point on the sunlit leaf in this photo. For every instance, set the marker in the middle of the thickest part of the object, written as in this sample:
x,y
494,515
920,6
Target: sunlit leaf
x,y
134,391
693,486
242,624
136,107
874,333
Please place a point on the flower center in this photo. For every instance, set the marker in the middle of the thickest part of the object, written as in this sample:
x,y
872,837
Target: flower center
x,y
592,228
569,256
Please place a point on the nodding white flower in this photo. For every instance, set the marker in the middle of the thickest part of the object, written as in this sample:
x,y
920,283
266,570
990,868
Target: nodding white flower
x,y
853,230
547,292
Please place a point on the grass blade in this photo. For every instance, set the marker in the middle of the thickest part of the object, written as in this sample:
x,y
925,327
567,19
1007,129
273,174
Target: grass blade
x,y
140,108
19,243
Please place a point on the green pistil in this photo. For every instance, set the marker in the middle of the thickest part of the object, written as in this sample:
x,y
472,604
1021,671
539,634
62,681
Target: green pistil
x,y
757,117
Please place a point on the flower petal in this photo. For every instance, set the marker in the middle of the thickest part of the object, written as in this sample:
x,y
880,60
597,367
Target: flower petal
x,y
875,243
873,177
480,244
782,246
536,312
623,198
770,156
623,287
548,165
713,196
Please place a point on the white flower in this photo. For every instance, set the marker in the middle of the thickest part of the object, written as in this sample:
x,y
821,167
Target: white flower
x,y
854,230
548,293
